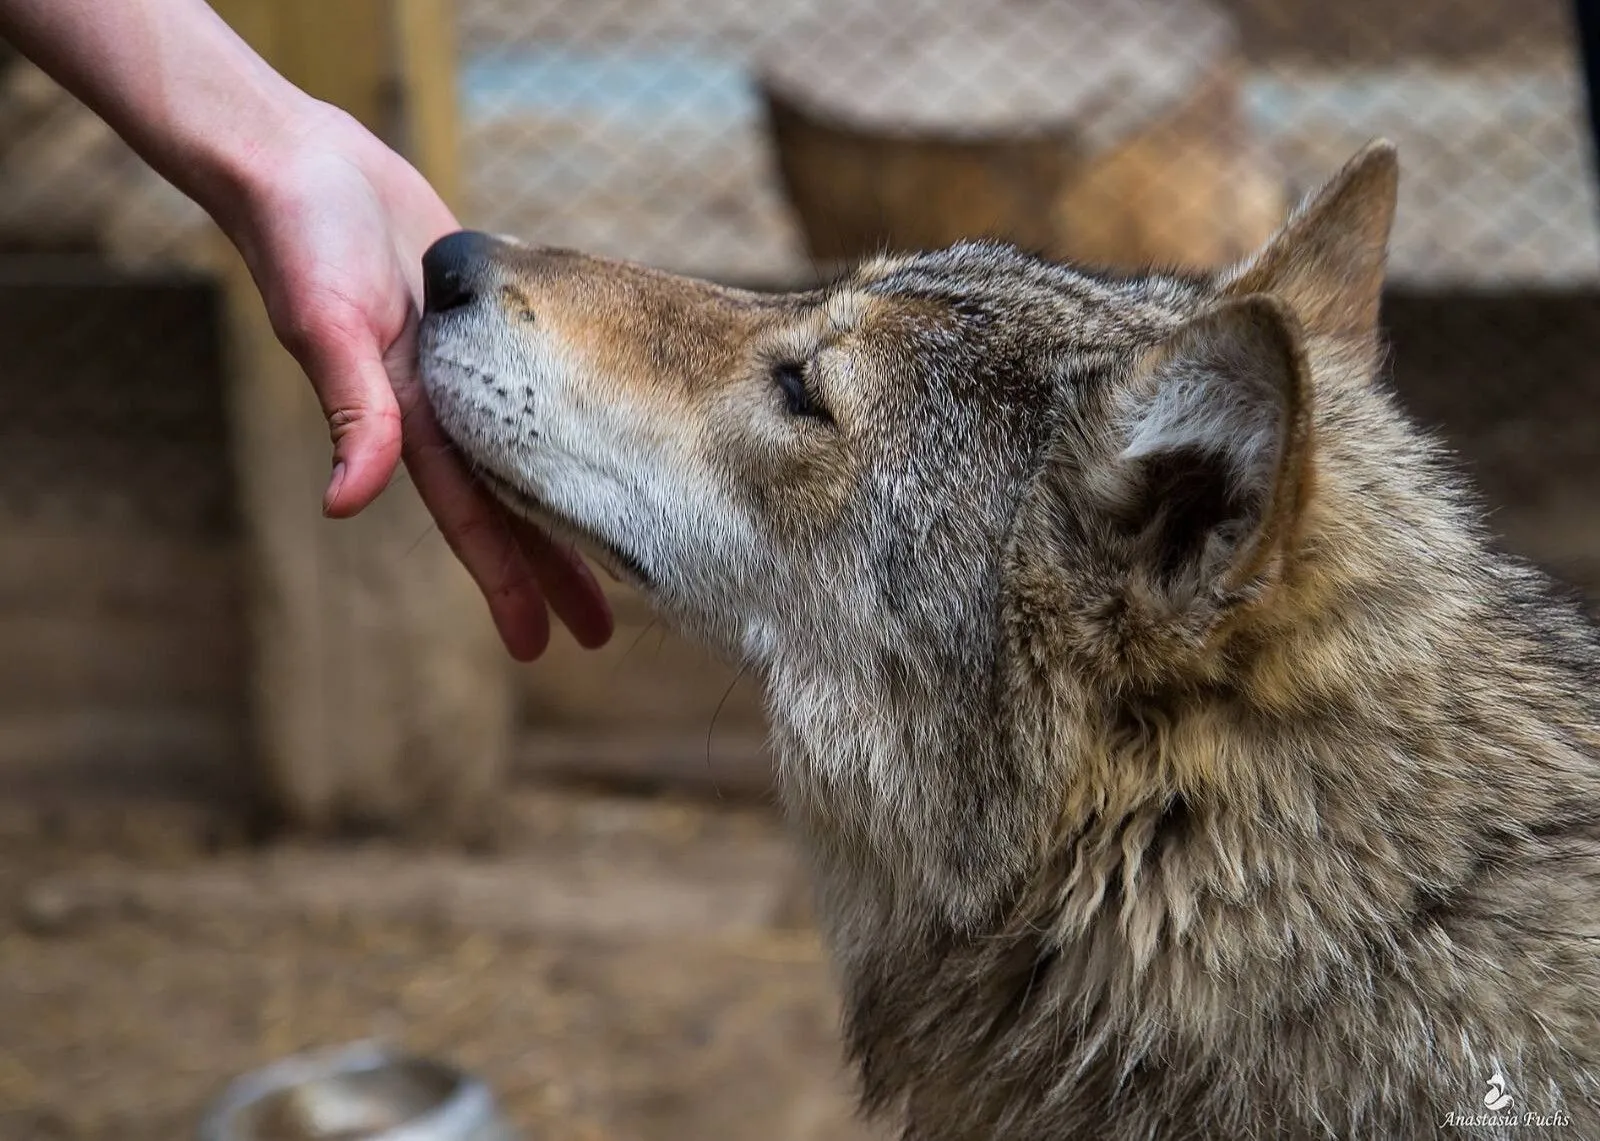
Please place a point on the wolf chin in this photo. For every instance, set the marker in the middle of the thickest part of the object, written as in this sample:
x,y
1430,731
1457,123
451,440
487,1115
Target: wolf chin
x,y
1174,754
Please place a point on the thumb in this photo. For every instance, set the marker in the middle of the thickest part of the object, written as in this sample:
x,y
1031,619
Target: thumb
x,y
363,416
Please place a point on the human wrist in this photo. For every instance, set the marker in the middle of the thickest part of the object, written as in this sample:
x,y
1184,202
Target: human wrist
x,y
235,166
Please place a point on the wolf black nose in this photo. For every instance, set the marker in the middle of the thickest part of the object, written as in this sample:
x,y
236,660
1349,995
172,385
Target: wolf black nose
x,y
453,270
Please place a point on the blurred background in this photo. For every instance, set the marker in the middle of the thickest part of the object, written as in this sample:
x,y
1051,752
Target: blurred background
x,y
268,783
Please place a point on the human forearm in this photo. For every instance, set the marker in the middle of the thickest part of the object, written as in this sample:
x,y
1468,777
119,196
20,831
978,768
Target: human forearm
x,y
174,80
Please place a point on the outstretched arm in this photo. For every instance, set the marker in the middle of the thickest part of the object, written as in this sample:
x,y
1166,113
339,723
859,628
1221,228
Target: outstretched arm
x,y
332,224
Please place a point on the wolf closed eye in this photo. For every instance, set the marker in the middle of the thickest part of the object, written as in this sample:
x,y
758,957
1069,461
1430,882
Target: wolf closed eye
x,y
791,380
1175,755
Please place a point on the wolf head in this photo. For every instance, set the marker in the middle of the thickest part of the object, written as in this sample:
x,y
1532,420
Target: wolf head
x,y
942,479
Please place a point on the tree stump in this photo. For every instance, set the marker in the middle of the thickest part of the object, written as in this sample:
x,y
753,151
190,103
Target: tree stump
x,y
1106,131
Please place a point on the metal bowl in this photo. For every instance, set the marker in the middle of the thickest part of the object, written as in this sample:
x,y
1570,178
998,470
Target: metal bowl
x,y
363,1092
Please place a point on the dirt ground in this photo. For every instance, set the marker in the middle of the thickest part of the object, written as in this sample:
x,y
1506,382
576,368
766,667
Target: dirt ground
x,y
636,969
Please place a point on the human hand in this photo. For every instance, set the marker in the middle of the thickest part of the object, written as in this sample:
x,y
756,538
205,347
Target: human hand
x,y
333,229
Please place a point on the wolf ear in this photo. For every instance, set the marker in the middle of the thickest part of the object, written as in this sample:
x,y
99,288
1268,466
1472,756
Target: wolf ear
x,y
1214,448
1327,263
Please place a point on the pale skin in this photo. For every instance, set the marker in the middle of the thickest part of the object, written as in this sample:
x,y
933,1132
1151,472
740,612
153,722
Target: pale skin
x,y
332,224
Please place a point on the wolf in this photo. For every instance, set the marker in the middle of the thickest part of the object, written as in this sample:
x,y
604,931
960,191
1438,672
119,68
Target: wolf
x,y
1174,754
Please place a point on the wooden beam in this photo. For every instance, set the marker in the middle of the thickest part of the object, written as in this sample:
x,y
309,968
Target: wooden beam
x,y
733,765
425,38
1587,16
381,696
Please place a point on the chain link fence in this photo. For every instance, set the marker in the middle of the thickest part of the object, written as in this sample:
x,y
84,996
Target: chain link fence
x,y
686,133
692,133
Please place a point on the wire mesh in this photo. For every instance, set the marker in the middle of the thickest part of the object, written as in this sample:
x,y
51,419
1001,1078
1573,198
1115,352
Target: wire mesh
x,y
67,183
644,129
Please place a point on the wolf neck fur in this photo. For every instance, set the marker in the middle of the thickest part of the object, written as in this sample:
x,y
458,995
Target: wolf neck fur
x,y
1124,854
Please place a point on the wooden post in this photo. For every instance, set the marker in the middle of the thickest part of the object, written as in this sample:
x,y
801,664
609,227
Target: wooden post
x,y
382,697
426,45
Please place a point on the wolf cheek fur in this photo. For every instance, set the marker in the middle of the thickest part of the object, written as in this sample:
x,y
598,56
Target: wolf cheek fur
x,y
1175,756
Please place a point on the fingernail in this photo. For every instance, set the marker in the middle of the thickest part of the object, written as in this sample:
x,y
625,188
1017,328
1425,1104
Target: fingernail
x,y
335,482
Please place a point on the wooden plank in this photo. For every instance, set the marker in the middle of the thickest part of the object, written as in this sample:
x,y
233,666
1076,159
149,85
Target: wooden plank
x,y
255,21
343,53
381,695
548,895
90,571
101,755
646,679
732,764
71,662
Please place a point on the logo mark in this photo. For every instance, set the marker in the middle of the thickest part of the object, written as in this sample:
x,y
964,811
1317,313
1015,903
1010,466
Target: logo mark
x,y
1497,1098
